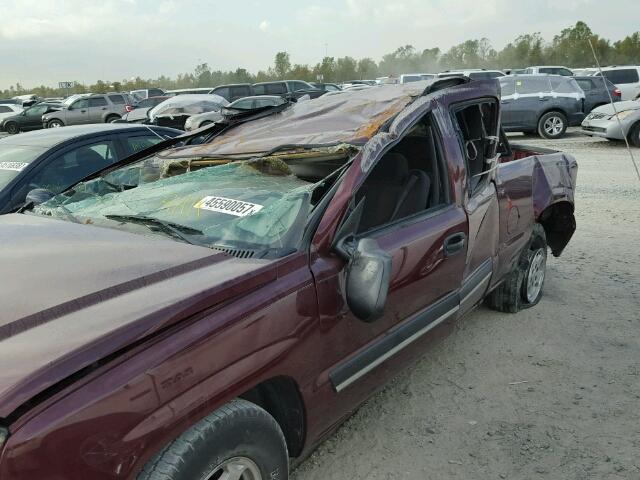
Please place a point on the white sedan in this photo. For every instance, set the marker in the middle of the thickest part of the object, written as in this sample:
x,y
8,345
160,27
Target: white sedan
x,y
9,110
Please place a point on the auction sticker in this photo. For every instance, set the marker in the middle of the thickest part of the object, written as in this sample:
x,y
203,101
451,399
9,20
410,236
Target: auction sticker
x,y
15,166
228,206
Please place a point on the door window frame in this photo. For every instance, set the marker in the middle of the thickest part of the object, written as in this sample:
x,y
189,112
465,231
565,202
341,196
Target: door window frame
x,y
390,227
455,108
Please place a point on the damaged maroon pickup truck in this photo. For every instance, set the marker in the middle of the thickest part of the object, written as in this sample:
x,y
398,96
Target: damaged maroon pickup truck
x,y
214,310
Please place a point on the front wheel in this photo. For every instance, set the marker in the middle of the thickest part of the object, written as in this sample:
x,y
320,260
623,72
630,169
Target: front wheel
x,y
552,125
239,441
11,128
55,124
522,287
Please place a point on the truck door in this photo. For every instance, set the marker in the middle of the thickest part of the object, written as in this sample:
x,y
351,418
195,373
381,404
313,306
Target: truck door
x,y
476,123
409,212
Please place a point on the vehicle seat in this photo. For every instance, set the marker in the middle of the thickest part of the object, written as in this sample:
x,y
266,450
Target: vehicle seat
x,y
88,161
392,191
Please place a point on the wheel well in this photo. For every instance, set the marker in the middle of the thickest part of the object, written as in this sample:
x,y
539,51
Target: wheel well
x,y
113,115
559,224
555,109
281,398
631,128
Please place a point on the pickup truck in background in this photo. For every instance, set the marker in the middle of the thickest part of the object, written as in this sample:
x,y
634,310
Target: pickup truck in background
x,y
214,309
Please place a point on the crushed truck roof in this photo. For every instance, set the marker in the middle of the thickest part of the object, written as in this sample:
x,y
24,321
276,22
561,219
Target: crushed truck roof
x,y
348,117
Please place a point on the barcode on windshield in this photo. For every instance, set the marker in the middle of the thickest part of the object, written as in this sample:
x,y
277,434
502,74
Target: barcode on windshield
x,y
229,206
16,166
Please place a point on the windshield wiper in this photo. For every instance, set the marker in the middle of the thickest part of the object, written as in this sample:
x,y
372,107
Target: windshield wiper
x,y
174,229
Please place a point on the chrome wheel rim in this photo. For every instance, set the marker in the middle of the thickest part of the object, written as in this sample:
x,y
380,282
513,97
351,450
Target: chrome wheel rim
x,y
535,278
54,125
237,468
553,125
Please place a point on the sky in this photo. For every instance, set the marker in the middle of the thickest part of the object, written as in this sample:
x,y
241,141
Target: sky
x,y
47,41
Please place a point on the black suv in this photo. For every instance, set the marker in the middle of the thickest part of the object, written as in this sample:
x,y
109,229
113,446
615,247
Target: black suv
x,y
233,92
546,104
287,89
595,91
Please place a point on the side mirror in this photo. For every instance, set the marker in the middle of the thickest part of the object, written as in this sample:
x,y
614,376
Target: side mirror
x,y
367,282
38,196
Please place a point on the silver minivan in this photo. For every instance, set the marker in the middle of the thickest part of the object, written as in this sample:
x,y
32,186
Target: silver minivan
x,y
90,109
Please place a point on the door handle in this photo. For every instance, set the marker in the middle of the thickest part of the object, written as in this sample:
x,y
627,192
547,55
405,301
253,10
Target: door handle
x,y
544,99
454,244
104,108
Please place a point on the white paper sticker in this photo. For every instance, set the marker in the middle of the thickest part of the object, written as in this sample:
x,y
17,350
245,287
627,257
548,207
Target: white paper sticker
x,y
229,206
16,166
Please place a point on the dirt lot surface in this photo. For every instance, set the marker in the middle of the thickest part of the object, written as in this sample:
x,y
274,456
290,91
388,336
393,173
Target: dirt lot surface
x,y
549,393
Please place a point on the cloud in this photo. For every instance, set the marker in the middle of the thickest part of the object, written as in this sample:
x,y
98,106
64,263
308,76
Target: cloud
x,y
264,26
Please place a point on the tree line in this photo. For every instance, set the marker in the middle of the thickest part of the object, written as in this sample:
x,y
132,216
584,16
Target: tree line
x,y
569,48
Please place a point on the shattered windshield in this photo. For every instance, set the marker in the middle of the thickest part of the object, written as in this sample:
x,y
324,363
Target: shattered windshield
x,y
257,206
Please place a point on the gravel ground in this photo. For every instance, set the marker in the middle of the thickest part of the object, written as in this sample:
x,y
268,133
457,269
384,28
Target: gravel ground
x,y
549,393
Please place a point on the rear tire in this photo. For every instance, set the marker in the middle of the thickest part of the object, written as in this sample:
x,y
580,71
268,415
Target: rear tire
x,y
522,287
239,437
552,125
634,135
111,118
11,128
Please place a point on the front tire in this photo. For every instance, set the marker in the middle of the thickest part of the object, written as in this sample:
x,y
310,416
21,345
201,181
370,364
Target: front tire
x,y
552,125
634,135
238,441
55,124
522,287
11,128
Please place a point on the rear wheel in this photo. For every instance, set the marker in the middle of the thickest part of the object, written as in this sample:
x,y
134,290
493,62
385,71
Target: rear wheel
x,y
239,441
522,287
11,128
112,118
552,125
634,135
55,124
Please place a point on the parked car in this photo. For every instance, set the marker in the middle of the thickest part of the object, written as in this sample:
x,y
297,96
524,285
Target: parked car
x,y
197,317
89,109
327,87
140,109
175,111
584,72
549,69
545,104
597,91
473,74
29,119
145,93
233,92
26,100
248,103
416,77
626,78
56,159
9,110
287,88
603,122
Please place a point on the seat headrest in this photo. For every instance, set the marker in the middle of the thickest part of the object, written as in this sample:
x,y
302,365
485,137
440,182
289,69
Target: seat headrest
x,y
392,168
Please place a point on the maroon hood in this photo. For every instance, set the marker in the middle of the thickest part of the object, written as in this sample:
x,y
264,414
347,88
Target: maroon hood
x,y
72,294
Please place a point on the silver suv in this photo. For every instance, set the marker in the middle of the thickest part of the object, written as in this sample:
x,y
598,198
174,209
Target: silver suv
x,y
90,109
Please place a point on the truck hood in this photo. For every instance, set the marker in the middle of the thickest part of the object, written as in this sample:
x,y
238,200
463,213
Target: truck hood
x,y
619,107
73,294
